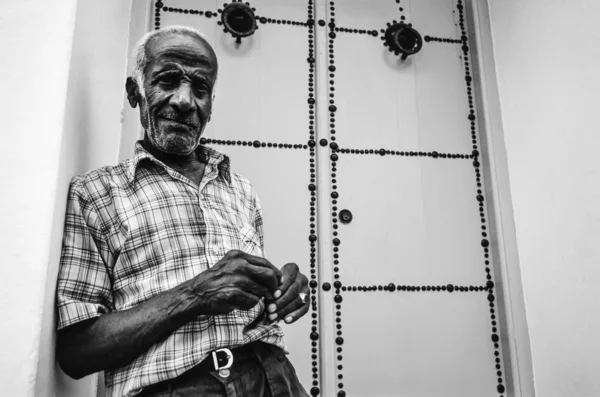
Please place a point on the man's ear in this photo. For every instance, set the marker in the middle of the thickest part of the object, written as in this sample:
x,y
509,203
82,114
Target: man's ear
x,y
133,92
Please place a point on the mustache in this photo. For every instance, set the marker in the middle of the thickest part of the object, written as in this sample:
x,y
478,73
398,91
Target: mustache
x,y
174,116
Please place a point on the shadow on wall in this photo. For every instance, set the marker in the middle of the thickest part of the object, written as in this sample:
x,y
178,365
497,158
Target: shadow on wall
x,y
91,135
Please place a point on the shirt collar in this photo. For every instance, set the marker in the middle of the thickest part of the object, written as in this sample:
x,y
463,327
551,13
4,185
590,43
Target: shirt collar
x,y
207,155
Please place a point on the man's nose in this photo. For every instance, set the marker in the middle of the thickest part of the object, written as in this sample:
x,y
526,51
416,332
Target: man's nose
x,y
183,98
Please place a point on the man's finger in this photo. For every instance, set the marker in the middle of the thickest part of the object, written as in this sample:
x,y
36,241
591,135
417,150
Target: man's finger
x,y
289,273
296,314
244,300
259,261
262,275
289,301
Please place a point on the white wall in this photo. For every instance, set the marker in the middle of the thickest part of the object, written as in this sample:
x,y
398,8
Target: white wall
x,y
62,77
548,61
36,41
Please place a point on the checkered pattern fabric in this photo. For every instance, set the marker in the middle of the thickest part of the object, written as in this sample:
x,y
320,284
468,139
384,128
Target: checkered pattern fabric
x,y
140,228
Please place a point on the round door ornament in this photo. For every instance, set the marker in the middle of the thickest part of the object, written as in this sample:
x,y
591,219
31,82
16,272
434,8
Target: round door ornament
x,y
345,216
239,20
401,38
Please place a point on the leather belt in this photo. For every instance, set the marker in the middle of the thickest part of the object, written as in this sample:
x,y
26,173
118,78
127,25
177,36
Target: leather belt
x,y
222,359
209,364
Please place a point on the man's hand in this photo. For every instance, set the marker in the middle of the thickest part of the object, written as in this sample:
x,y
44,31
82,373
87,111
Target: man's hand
x,y
238,281
287,304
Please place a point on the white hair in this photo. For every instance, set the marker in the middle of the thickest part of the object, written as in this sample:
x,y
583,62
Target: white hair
x,y
139,52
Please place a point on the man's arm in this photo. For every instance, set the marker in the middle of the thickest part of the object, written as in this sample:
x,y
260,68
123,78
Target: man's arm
x,y
113,340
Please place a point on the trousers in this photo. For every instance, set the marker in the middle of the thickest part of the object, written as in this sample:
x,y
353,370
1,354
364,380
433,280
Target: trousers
x,y
266,372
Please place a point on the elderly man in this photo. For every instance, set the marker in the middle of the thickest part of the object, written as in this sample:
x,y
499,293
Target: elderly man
x,y
162,281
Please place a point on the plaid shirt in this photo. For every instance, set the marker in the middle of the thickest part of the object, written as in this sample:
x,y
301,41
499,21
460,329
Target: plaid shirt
x,y
140,228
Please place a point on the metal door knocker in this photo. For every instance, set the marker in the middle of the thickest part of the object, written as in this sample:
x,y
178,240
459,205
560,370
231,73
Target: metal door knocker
x,y
401,38
239,20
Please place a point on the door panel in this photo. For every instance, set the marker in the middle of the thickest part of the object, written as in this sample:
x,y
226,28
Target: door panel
x,y
406,213
385,102
416,344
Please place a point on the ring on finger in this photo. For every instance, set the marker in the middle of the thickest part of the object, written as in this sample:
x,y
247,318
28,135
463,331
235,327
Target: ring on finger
x,y
302,297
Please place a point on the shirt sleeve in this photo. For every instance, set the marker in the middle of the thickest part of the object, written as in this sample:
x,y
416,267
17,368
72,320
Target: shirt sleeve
x,y
84,288
258,222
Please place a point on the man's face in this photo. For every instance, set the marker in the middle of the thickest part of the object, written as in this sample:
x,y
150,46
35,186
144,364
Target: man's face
x,y
179,80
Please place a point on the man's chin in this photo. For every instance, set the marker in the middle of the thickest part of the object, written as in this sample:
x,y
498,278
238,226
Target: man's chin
x,y
177,145
179,148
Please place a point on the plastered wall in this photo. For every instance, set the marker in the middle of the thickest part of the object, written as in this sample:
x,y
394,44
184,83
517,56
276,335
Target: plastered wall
x,y
36,51
62,75
547,60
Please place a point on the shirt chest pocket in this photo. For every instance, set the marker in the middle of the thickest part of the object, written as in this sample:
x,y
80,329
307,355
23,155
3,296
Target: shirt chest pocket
x,y
250,240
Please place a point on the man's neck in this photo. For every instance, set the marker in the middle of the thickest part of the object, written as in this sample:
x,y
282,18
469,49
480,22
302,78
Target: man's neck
x,y
189,165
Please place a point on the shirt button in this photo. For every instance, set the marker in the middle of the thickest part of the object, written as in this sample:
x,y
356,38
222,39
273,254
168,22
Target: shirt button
x,y
215,250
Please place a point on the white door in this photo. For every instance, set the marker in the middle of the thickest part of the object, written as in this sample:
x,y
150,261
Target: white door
x,y
330,125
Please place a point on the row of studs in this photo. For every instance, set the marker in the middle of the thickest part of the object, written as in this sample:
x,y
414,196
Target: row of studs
x,y
309,22
391,287
373,33
441,40
210,14
401,9
157,7
207,14
480,198
256,144
383,152
314,334
311,144
334,195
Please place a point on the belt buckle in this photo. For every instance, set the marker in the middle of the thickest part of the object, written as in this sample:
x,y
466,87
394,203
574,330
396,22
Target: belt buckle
x,y
224,370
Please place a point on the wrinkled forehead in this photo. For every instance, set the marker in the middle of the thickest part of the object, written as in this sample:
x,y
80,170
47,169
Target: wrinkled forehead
x,y
183,50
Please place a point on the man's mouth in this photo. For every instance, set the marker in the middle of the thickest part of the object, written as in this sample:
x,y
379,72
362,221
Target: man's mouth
x,y
187,123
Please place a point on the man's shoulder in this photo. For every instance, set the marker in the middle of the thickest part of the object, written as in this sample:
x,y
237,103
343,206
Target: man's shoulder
x,y
242,183
101,178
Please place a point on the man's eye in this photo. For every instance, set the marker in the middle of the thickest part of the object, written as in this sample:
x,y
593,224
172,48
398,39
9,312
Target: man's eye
x,y
168,80
201,88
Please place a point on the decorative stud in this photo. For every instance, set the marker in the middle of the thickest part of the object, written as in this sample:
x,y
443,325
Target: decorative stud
x,y
345,216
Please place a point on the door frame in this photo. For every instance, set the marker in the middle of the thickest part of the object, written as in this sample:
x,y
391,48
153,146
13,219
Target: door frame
x,y
514,331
